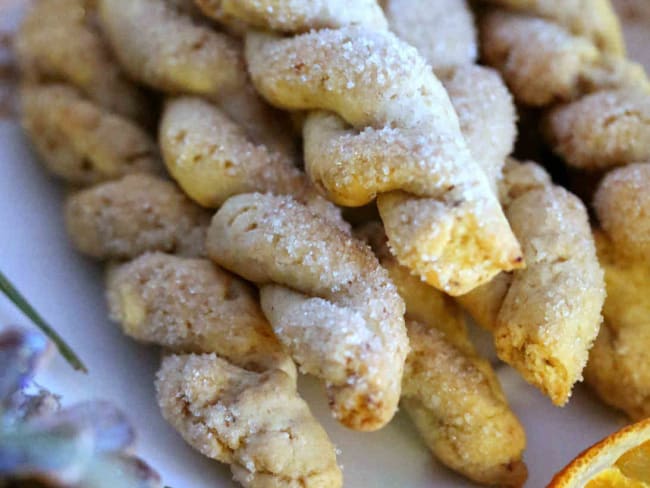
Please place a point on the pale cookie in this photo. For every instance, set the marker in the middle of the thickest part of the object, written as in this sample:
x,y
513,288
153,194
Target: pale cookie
x,y
167,49
405,146
327,298
453,395
602,130
295,15
139,213
622,204
212,159
551,314
191,305
59,41
81,142
594,20
443,31
256,422
544,318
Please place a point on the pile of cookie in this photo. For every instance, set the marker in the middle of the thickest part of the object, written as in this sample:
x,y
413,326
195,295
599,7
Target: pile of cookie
x,y
358,159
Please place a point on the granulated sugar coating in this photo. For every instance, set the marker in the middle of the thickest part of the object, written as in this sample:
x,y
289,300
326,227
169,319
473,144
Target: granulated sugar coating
x,y
544,317
326,296
622,203
191,305
256,422
551,313
602,130
212,159
138,213
295,15
487,116
163,47
81,142
441,217
442,31
452,395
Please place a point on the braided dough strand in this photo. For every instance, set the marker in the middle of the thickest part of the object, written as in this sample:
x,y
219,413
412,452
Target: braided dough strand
x,y
191,305
442,220
328,300
139,213
256,422
212,159
594,20
80,141
617,368
451,394
166,48
444,34
546,317
58,41
295,15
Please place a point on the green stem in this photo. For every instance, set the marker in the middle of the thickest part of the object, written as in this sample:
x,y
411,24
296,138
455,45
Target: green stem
x,y
19,300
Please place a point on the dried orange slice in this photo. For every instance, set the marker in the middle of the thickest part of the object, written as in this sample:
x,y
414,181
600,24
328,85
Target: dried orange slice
x,y
621,460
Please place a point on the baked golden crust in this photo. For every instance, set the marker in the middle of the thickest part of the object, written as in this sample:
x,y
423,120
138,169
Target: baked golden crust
x,y
212,159
328,300
407,148
163,47
617,368
81,142
551,314
622,204
256,422
451,394
138,213
191,305
58,41
546,317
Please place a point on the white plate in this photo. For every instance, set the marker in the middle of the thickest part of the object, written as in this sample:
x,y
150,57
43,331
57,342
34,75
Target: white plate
x,y
68,290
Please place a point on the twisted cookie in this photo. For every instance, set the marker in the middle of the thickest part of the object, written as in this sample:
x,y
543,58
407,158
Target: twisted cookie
x,y
453,395
604,119
546,317
292,16
240,407
442,220
326,297
139,213
81,142
160,45
212,159
444,34
256,422
58,41
79,110
617,367
191,305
